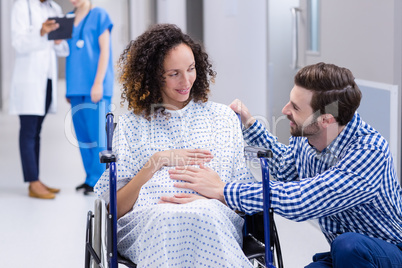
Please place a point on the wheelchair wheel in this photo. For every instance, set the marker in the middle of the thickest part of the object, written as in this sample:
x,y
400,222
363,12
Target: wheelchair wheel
x,y
99,232
258,262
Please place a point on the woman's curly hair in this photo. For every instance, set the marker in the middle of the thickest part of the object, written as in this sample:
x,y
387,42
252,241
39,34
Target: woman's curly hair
x,y
141,69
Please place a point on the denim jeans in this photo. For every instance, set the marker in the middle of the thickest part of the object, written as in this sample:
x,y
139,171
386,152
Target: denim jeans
x,y
352,250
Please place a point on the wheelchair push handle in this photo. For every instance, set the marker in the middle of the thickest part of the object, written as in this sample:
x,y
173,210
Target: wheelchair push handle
x,y
107,156
251,152
110,125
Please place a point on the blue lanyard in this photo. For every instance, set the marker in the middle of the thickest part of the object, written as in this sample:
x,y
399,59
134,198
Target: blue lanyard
x,y
80,43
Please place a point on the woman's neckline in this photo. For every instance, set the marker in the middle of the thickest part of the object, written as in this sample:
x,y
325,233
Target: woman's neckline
x,y
83,18
180,110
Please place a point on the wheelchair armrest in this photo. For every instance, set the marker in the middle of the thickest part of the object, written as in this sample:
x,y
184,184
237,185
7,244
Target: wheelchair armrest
x,y
107,156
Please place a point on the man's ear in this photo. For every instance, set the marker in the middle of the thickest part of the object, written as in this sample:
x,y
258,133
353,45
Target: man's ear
x,y
327,120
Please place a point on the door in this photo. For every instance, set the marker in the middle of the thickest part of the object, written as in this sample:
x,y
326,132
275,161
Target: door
x,y
281,63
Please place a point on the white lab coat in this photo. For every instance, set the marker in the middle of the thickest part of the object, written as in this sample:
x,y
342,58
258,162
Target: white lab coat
x,y
35,59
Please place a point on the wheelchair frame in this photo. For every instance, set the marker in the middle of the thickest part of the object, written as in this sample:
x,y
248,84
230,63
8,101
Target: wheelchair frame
x,y
109,258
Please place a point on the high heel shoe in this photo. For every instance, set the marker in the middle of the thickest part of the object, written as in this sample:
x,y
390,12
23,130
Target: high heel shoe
x,y
34,194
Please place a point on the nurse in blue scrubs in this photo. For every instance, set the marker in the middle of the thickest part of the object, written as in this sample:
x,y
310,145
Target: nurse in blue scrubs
x,y
89,79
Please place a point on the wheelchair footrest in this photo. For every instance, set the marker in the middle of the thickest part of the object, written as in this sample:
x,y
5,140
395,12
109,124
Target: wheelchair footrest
x,y
126,262
253,248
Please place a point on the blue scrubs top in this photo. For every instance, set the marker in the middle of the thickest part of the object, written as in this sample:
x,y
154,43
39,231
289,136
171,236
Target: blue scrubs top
x,y
82,63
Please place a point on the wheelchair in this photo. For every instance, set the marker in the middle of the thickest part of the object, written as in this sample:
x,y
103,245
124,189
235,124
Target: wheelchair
x,y
101,224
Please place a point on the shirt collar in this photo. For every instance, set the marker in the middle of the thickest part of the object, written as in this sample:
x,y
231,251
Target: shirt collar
x,y
339,143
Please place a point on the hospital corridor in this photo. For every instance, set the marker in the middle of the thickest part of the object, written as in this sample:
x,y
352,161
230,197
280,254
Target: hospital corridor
x,y
40,233
36,232
257,48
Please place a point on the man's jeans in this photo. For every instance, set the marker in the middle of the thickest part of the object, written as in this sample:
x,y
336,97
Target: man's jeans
x,y
354,250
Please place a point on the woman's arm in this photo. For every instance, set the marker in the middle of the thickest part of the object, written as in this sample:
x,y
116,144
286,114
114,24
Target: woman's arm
x,y
128,195
97,87
205,180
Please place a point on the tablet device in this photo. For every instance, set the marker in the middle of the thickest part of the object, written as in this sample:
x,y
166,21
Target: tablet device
x,y
65,29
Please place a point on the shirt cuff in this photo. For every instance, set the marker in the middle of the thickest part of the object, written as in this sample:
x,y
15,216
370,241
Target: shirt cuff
x,y
253,131
231,193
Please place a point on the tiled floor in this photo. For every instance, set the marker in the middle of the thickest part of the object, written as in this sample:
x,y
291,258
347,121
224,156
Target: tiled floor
x,y
50,233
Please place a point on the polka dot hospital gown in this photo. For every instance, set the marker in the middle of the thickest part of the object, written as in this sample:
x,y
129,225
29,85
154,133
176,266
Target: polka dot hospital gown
x,y
203,233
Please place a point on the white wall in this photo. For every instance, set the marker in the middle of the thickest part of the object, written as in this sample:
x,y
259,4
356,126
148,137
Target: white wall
x,y
172,11
140,16
360,37
235,37
7,52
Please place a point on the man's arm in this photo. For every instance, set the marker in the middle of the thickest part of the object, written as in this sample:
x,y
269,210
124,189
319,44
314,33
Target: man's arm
x,y
282,164
245,197
239,108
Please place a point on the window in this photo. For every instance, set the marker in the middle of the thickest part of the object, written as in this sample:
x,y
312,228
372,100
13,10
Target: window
x,y
313,7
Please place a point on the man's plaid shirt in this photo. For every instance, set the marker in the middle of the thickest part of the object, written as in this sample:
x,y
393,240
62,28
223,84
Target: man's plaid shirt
x,y
351,186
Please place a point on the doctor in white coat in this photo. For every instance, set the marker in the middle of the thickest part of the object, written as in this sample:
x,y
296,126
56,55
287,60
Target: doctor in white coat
x,y
34,82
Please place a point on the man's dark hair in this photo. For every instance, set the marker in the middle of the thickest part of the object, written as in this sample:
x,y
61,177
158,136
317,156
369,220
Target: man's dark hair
x,y
334,90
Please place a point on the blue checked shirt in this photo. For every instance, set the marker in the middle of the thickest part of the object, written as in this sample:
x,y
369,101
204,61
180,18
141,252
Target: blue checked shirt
x,y
351,186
